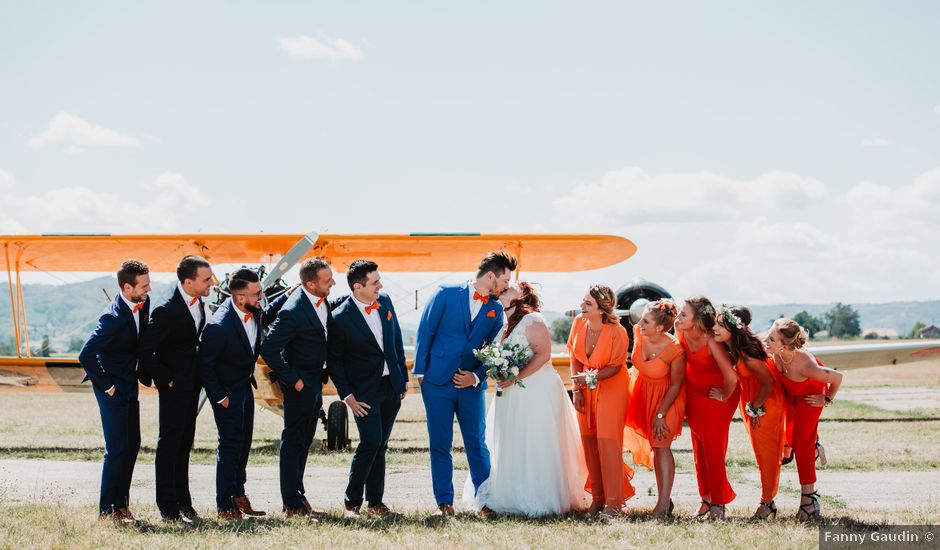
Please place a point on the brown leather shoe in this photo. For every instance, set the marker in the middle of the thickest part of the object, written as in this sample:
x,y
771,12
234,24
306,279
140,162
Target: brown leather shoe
x,y
233,514
123,516
244,506
380,510
351,512
446,510
178,518
189,513
300,512
486,513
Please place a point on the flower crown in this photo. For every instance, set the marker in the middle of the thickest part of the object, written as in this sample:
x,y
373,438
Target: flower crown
x,y
708,309
731,319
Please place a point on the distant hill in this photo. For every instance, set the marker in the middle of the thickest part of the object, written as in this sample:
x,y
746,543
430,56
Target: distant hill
x,y
68,312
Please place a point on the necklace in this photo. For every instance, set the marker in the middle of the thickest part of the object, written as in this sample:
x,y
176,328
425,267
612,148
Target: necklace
x,y
786,364
592,336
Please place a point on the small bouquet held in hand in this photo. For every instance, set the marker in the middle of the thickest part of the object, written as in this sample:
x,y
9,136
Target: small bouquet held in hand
x,y
503,362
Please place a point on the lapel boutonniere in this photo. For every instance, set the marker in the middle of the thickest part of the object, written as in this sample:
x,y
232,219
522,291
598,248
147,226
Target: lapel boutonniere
x,y
388,316
491,313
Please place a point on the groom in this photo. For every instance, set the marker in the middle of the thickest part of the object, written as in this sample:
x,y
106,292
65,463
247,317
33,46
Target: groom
x,y
457,320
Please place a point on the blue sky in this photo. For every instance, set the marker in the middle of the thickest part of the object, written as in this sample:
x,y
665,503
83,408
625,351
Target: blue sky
x,y
755,151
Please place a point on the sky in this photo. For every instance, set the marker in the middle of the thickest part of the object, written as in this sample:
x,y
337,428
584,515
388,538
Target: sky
x,y
756,152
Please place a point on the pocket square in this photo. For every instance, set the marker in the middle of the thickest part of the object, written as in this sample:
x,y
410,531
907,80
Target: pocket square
x,y
389,316
491,313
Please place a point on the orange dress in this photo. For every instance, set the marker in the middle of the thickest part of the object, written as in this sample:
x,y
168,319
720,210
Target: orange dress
x,y
602,422
768,437
647,390
709,421
803,420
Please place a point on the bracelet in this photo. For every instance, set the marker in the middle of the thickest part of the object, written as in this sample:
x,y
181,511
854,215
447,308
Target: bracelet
x,y
754,412
828,400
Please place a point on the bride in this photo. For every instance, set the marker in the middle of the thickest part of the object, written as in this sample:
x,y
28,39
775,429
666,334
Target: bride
x,y
537,464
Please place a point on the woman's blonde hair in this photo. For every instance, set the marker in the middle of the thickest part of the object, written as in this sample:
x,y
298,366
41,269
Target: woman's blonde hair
x,y
663,312
791,333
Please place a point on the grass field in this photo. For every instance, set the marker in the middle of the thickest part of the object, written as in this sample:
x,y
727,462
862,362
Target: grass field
x,y
858,438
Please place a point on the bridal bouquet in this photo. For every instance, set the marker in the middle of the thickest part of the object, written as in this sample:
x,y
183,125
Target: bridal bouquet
x,y
503,362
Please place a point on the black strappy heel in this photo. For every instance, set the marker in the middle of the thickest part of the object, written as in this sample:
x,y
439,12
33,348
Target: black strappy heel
x,y
813,511
671,508
770,505
720,507
708,506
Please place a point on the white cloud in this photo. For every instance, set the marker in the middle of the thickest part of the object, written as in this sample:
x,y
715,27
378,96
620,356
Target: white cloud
x,y
875,142
166,204
322,48
780,237
633,194
6,179
77,132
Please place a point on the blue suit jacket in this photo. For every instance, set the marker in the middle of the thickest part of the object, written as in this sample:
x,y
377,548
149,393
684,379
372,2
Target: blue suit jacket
x,y
226,359
447,338
109,357
168,349
356,361
295,347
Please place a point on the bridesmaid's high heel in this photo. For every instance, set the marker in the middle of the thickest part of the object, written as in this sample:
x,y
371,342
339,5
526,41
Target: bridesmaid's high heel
x,y
702,514
769,505
810,511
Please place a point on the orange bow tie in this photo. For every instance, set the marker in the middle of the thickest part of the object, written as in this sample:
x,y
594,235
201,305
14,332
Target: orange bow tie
x,y
373,307
138,307
193,301
482,298
320,301
245,319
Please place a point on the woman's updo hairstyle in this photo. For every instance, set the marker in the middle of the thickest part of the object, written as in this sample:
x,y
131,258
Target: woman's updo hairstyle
x,y
663,312
791,333
703,312
606,302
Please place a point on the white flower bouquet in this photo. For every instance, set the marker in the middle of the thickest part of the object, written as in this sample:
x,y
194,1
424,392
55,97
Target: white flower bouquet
x,y
503,362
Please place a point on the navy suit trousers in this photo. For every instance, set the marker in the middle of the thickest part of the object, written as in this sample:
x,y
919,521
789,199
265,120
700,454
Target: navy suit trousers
x,y
301,410
120,420
368,464
235,424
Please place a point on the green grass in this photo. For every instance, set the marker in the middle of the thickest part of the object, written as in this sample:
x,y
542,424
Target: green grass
x,y
49,526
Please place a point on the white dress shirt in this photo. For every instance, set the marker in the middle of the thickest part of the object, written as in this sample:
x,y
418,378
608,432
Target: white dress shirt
x,y
251,330
194,309
475,305
136,314
322,311
375,323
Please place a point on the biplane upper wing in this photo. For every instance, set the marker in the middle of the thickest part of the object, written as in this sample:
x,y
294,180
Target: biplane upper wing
x,y
409,253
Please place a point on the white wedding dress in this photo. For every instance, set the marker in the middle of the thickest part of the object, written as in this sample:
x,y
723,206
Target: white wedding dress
x,y
537,461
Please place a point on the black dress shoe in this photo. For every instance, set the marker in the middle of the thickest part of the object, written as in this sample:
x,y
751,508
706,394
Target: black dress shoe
x,y
189,513
178,518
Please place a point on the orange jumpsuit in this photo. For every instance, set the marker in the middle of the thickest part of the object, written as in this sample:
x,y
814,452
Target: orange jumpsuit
x,y
709,421
768,437
803,419
602,422
647,390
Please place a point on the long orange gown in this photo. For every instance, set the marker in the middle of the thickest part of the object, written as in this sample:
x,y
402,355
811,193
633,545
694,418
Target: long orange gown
x,y
602,422
768,437
803,419
709,421
647,390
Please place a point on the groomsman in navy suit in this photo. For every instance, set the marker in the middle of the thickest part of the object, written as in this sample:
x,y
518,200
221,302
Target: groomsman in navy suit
x,y
296,349
169,353
109,358
457,320
231,343
367,365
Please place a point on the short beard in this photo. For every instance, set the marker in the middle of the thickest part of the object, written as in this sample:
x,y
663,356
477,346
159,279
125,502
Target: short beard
x,y
253,309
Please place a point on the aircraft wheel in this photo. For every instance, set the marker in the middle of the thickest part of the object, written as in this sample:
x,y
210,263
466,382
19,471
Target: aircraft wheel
x,y
337,427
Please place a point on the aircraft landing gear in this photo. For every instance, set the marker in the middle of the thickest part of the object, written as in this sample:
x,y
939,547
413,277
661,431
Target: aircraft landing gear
x,y
337,426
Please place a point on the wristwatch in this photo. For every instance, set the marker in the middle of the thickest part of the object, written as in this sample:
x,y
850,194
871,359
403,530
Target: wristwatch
x,y
659,416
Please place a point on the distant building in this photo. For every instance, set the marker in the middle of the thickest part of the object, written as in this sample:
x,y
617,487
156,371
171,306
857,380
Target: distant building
x,y
886,333
821,335
929,332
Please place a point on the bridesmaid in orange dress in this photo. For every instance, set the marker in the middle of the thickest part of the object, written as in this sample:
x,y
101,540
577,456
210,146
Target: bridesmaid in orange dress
x,y
598,346
808,387
761,403
657,399
711,393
